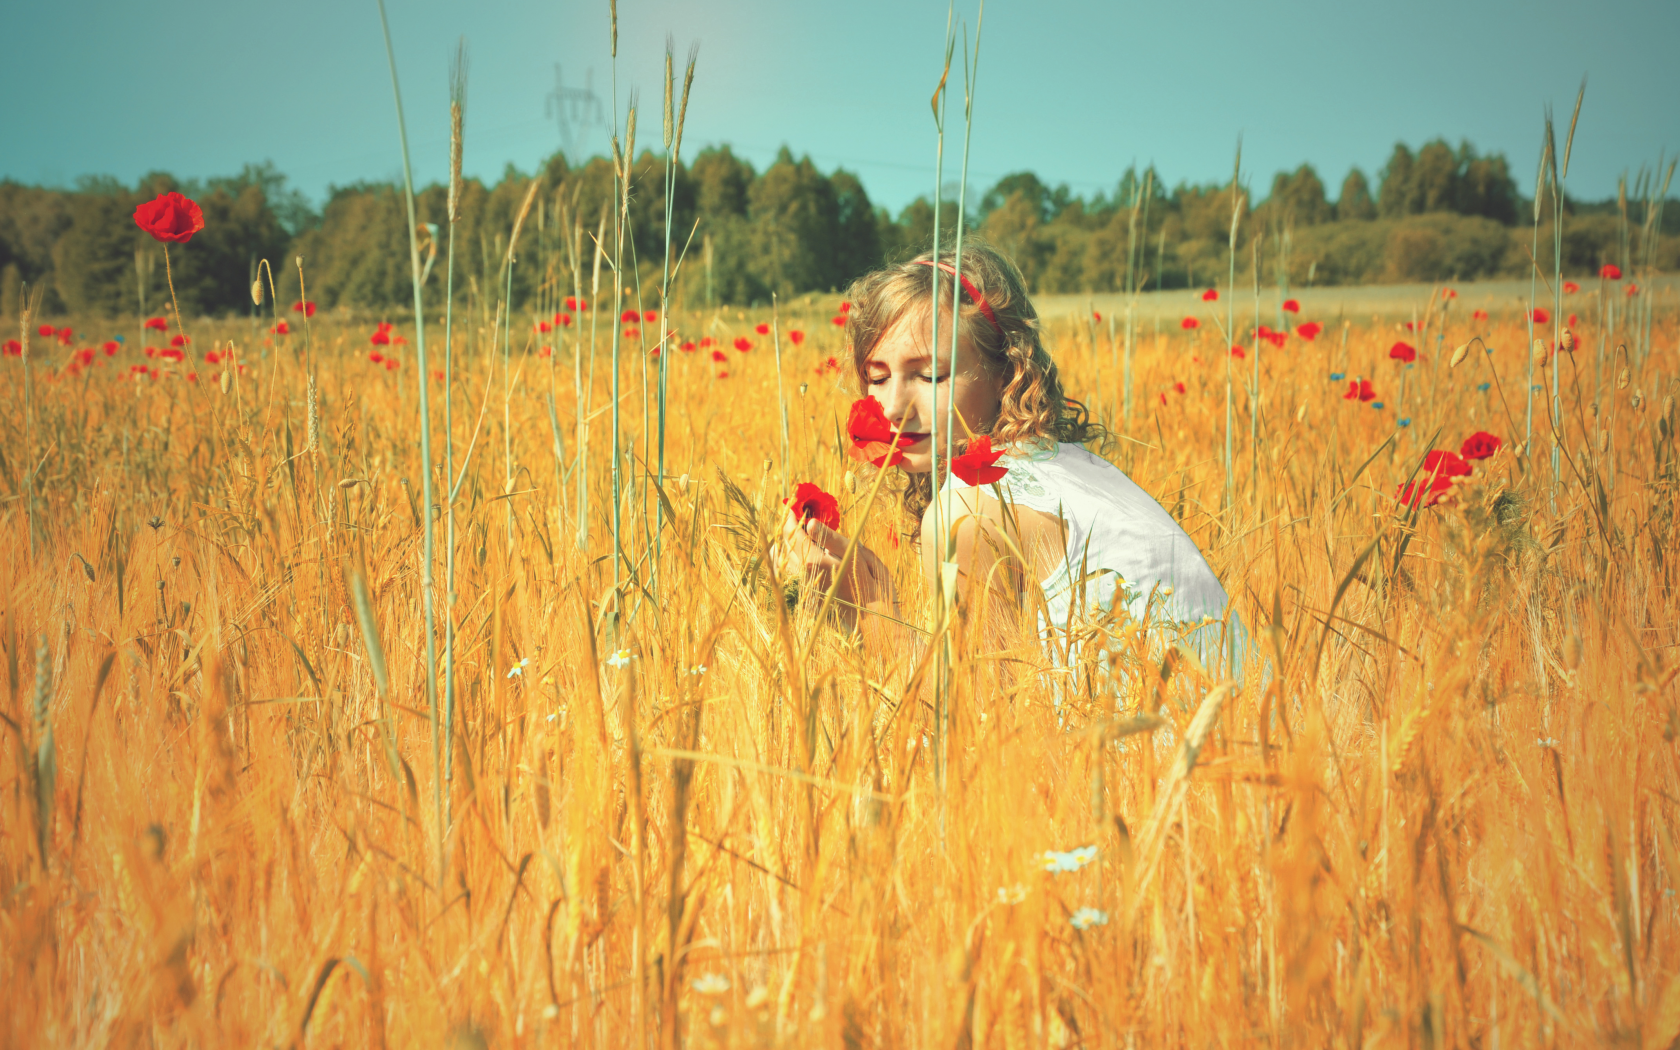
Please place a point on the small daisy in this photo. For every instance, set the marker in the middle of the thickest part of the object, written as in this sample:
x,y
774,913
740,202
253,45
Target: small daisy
x,y
1085,918
621,658
518,669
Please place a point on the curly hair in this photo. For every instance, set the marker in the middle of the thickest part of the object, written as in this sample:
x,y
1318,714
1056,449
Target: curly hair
x,y
1034,405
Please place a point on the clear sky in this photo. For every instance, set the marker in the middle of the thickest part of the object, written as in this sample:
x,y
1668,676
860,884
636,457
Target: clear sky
x,y
1074,91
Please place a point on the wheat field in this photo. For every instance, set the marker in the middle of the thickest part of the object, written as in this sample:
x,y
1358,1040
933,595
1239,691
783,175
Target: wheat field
x,y
1437,806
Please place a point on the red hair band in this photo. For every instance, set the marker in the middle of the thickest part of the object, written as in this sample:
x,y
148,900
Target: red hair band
x,y
968,286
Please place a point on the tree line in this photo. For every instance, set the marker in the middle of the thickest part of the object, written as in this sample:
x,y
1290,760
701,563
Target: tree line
x,y
1438,213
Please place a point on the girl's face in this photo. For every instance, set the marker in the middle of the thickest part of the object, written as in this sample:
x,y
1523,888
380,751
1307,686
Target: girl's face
x,y
900,374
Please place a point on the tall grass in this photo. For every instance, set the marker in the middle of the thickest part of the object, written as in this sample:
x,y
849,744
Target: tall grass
x,y
1437,807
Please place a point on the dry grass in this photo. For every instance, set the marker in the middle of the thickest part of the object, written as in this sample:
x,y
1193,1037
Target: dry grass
x,y
1444,815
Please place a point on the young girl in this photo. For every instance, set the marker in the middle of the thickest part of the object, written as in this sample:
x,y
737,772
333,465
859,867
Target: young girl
x,y
1059,515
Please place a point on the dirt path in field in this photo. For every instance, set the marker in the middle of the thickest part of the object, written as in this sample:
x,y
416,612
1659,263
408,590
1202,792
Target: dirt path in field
x,y
1354,303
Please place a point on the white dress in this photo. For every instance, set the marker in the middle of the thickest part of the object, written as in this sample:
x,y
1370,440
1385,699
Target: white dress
x,y
1118,540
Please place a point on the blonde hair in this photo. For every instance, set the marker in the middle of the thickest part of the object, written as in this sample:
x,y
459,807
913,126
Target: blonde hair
x,y
1034,407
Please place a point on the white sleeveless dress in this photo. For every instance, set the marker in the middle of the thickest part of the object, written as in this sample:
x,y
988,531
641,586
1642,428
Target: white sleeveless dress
x,y
1119,540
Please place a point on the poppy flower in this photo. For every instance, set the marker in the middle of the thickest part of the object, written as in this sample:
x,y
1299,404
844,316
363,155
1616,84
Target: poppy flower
x,y
179,340
651,316
1277,339
1478,315
583,305
14,348
192,377
281,328
172,218
547,351
392,364
1096,315
1189,324
1573,320
111,348
872,434
719,355
437,376
380,338
1632,290
723,374
151,351
563,320
1610,272
212,358
830,365
543,326
1479,445
1211,295
1179,387
796,336
375,356
845,308
47,331
705,341
1429,493
977,464
571,302
151,322
762,329
304,307
1309,331
810,502
630,315
1539,316
1291,306
840,322
1403,352
1446,463
1360,389
742,343
1570,288
1238,352
688,347
632,332
1448,293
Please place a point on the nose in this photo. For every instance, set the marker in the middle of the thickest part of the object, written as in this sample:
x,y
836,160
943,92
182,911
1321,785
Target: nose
x,y
895,399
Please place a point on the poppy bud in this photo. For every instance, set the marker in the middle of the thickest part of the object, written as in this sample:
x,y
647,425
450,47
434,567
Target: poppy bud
x,y
1540,352
224,382
256,292
1638,399
1567,340
1459,355
849,482
1622,379
768,465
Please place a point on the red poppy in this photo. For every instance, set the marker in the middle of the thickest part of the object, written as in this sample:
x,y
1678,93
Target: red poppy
x,y
392,364
1096,315
543,326
436,375
1360,389
1610,272
304,307
571,302
742,343
1211,295
830,365
1448,293
1179,387
192,377
375,356
46,331
840,322
1446,463
630,315
14,348
810,502
111,348
172,218
723,374
719,355
1189,324
1291,306
281,328
1429,493
977,464
1163,399
179,340
705,341
1570,288
583,305
1309,331
563,320
1573,321
151,351
382,337
1539,316
212,358
1478,315
632,332
1238,352
845,308
796,336
651,316
1479,445
762,329
547,351
688,347
1632,290
872,434
151,322
1403,352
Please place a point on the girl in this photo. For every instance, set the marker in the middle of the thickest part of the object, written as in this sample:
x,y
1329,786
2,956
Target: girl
x,y
1044,509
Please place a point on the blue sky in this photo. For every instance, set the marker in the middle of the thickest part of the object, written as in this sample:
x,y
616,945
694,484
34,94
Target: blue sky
x,y
1074,91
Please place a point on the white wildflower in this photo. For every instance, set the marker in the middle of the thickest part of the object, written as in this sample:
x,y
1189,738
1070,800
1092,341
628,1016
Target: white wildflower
x,y
1072,860
1012,894
518,669
1085,918
711,984
621,658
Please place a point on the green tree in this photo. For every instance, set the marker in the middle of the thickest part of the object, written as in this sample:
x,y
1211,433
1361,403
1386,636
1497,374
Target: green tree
x,y
1355,204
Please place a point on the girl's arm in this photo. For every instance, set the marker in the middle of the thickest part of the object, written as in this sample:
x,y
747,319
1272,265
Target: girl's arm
x,y
995,545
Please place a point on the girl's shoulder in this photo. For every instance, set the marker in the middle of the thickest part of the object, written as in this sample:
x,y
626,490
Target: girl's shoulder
x,y
1056,473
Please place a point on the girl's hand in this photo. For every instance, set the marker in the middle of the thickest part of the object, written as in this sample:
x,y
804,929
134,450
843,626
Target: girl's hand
x,y
812,552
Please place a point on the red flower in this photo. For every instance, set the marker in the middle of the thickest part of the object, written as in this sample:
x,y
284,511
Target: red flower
x,y
1539,316
1190,324
688,347
1278,338
436,375
543,326
192,377
583,305
151,351
1096,315
1573,321
179,340
630,315
1163,399
1291,306
1478,315
1412,491
632,332
830,365
723,374
1360,389
1632,290
212,358
47,331
651,316
571,302
563,320
840,322
172,218
392,364
547,351
845,308
796,336
1211,295
14,348
375,356
1448,293
1479,445
1179,387
810,502
382,337
1237,351
977,464
1610,272
304,307
1309,331
1446,463
872,434
1403,352
151,322
1570,288
762,329
742,343
281,328
719,355
705,341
